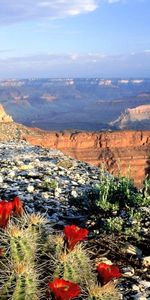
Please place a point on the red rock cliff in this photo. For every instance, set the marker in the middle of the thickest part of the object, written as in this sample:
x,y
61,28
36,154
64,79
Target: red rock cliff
x,y
130,150
127,150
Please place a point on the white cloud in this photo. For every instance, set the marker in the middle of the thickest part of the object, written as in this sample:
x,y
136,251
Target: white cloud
x,y
22,10
113,1
147,51
76,65
13,11
117,1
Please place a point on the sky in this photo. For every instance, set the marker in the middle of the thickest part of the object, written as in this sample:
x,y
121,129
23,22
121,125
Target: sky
x,y
74,38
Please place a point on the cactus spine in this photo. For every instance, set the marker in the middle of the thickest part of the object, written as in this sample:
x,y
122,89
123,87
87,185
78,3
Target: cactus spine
x,y
21,240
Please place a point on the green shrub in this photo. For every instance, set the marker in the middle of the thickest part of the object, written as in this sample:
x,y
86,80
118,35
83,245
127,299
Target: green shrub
x,y
113,204
49,184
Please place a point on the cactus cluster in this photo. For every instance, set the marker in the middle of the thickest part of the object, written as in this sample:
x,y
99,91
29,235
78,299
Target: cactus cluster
x,y
32,258
19,274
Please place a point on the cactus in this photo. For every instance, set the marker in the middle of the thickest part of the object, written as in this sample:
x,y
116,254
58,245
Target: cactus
x,y
31,253
74,265
107,292
21,241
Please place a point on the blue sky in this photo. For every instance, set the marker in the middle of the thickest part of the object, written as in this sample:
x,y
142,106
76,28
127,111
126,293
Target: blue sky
x,y
74,38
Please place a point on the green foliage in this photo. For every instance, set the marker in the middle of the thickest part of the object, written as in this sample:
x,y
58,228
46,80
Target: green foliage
x,y
50,184
118,191
146,192
114,205
114,224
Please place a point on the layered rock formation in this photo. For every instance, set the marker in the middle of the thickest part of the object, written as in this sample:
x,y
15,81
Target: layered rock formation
x,y
138,117
3,116
127,151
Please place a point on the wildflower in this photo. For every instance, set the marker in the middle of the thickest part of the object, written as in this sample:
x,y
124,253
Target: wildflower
x,y
5,212
63,289
74,234
107,272
17,206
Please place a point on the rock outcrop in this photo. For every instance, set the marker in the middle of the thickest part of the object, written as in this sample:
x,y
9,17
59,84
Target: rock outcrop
x,y
132,118
4,118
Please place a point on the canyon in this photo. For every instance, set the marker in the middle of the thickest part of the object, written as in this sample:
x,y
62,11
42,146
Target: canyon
x,y
121,152
124,152
89,104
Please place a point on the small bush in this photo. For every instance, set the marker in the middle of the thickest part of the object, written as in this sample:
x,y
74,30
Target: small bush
x,y
112,205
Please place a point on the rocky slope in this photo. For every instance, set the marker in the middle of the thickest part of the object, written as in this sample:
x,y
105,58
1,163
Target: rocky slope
x,y
127,150
44,179
134,118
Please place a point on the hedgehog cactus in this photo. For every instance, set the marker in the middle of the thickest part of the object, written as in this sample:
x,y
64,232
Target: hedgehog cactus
x,y
108,292
20,242
28,251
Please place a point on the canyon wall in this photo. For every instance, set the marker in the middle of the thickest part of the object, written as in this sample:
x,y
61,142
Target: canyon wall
x,y
127,151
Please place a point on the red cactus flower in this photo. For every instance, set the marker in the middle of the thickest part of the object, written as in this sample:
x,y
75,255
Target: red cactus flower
x,y
17,206
63,289
107,272
74,234
5,212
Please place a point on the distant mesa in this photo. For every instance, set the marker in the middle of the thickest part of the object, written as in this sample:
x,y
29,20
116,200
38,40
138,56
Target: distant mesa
x,y
48,97
4,118
133,118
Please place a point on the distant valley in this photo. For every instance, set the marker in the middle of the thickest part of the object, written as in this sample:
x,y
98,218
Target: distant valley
x,y
91,104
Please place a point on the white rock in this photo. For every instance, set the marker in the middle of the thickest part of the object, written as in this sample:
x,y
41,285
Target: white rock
x,y
81,181
132,250
1,179
12,174
135,288
104,260
45,195
128,272
30,188
145,283
74,194
140,297
58,190
146,261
